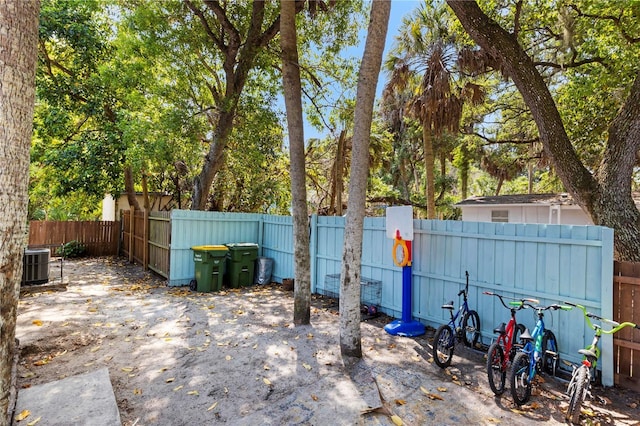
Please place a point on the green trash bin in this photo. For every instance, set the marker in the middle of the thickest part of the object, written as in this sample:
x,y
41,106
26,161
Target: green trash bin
x,y
241,264
209,262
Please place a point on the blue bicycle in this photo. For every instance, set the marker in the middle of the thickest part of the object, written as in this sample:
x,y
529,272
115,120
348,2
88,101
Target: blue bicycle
x,y
540,353
466,329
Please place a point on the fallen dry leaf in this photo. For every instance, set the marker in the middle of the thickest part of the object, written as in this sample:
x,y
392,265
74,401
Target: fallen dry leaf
x,y
34,421
37,322
137,391
266,381
23,415
170,380
193,392
212,406
397,420
441,389
314,397
307,366
127,369
400,402
177,388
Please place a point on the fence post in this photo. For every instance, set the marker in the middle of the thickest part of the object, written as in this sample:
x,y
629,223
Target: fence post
x,y
145,241
132,226
313,249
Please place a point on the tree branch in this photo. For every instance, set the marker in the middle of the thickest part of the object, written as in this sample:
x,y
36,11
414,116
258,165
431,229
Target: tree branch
x,y
617,21
205,24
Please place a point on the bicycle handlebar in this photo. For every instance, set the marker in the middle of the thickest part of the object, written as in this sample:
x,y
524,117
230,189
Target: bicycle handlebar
x,y
519,303
616,325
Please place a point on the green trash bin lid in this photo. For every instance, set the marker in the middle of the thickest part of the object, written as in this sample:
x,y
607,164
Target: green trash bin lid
x,y
210,248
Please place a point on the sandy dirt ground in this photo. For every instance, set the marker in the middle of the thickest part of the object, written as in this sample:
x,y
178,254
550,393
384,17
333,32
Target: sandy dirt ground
x,y
177,357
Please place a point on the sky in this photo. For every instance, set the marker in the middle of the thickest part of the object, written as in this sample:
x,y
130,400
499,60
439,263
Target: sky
x,y
399,8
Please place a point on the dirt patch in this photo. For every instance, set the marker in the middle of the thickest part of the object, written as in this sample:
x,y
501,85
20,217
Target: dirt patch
x,y
180,357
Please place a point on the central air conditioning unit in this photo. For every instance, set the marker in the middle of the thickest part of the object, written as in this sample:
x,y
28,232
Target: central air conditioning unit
x,y
35,266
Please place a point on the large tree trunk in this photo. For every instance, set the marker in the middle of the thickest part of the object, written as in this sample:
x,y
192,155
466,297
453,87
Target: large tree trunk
x,y
350,336
239,48
18,39
293,104
130,189
606,196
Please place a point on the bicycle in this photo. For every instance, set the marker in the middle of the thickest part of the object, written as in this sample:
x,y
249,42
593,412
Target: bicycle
x,y
507,343
581,376
539,353
467,329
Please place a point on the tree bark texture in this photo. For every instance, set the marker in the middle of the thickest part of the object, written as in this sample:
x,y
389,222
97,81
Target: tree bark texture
x,y
18,53
350,335
606,194
293,104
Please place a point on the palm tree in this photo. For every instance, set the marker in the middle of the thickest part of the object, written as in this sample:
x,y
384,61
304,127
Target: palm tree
x,y
426,49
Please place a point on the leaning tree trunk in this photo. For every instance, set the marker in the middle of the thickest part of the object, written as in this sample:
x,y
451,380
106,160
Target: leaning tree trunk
x,y
606,196
350,336
18,39
293,104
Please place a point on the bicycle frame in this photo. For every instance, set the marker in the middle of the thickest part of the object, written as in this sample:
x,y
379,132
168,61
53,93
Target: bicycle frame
x,y
507,338
582,375
534,348
592,352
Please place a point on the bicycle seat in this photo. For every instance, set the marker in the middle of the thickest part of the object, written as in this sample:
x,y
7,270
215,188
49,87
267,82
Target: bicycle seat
x,y
526,336
588,353
501,329
448,306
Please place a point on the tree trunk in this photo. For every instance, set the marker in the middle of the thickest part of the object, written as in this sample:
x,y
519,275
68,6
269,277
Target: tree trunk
x,y
129,188
429,164
340,161
350,336
293,104
145,192
606,196
18,39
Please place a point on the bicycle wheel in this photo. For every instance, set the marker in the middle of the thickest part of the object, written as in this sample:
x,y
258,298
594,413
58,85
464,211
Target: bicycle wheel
x,y
577,391
519,378
495,371
471,329
516,345
549,353
443,344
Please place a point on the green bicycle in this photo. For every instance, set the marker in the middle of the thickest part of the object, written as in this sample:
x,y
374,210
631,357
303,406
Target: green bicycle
x,y
581,376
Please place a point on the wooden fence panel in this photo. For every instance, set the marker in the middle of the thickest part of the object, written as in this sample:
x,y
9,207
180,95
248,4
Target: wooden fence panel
x,y
125,237
159,242
100,238
626,342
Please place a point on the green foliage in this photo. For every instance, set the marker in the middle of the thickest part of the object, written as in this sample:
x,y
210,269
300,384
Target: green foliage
x,y
73,249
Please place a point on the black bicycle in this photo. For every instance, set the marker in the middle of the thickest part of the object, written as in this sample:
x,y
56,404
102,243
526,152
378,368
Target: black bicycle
x,y
466,324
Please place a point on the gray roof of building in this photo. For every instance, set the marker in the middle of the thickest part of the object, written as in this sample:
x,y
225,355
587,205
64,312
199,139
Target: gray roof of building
x,y
546,199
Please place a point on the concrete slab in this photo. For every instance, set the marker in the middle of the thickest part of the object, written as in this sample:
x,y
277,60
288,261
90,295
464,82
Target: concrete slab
x,y
85,399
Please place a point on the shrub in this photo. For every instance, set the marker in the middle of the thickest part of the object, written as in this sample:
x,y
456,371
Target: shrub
x,y
73,249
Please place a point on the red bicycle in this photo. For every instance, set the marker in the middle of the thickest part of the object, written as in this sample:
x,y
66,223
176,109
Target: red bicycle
x,y
506,343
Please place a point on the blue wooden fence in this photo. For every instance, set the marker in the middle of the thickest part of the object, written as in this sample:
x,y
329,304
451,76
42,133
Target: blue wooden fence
x,y
552,263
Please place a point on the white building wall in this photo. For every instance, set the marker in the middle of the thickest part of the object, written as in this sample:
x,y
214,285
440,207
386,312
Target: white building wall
x,y
525,213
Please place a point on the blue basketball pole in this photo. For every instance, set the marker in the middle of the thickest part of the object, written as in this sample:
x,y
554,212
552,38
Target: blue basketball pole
x,y
406,326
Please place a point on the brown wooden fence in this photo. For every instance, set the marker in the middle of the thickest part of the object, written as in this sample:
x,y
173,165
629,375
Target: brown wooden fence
x,y
626,307
100,238
146,238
